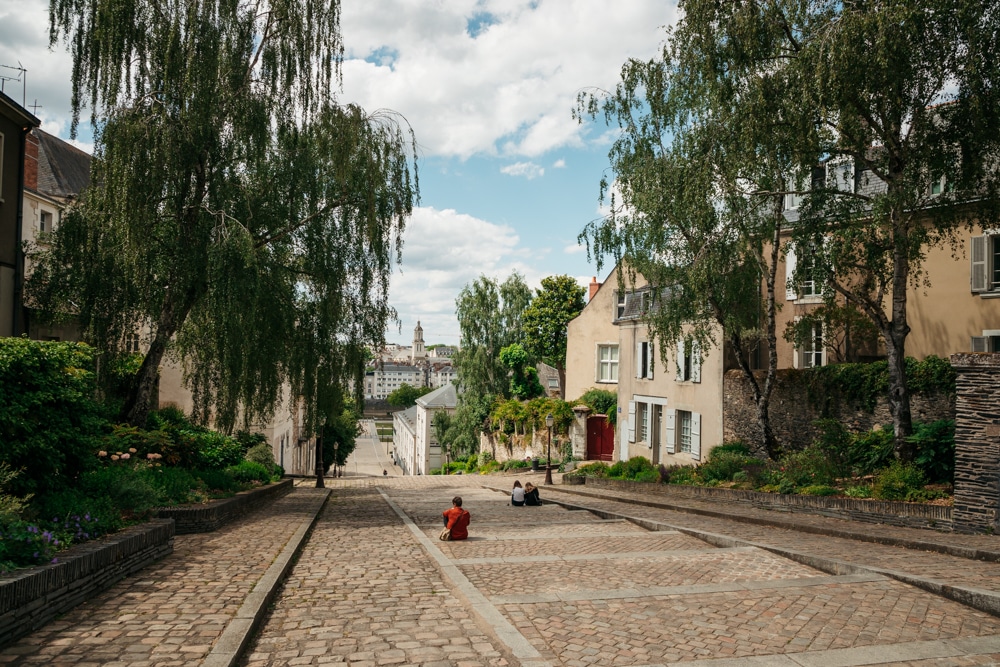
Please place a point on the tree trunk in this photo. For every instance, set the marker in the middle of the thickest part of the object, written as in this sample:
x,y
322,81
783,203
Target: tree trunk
x,y
895,343
138,403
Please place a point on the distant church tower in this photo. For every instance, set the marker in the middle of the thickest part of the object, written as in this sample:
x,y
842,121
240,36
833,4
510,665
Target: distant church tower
x,y
419,353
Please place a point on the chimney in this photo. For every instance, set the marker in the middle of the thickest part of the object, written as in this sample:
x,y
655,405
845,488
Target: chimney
x,y
594,286
31,161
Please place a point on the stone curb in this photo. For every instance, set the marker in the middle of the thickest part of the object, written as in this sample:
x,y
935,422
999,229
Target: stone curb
x,y
982,600
947,549
236,637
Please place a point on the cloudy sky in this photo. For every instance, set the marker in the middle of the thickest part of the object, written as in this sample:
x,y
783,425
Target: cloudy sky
x,y
508,178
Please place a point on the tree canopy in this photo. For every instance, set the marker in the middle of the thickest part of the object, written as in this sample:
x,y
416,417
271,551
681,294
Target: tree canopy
x,y
559,300
241,218
406,395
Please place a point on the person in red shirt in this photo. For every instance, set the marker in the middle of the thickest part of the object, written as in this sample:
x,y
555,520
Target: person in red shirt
x,y
457,519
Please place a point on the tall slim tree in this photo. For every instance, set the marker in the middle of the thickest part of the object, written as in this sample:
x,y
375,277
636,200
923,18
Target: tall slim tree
x,y
558,301
240,216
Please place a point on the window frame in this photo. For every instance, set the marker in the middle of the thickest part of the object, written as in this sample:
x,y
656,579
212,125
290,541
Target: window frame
x,y
644,360
984,256
684,418
611,364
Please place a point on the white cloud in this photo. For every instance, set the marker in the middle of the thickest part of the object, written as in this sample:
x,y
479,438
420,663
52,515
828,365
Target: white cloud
x,y
559,164
529,170
443,251
574,249
509,89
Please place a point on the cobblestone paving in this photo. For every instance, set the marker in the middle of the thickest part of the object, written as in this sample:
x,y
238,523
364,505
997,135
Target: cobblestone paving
x,y
931,565
575,545
365,592
791,620
173,611
610,573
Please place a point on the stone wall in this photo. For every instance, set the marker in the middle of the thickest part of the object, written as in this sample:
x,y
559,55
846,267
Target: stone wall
x,y
215,514
793,414
33,597
977,443
519,447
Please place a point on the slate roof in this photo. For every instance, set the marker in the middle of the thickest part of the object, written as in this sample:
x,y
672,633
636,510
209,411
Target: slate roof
x,y
63,169
442,397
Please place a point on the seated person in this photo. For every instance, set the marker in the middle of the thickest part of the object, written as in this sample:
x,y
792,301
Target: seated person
x,y
517,494
457,519
531,495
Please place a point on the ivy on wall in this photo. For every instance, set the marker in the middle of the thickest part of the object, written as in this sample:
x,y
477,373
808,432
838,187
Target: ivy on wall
x,y
865,384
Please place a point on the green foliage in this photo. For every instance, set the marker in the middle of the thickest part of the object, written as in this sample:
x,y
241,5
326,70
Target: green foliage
x,y
236,205
808,467
340,438
215,450
858,491
10,506
731,447
602,402
864,384
127,488
594,469
483,458
248,472
685,475
524,382
406,396
559,300
847,332
871,451
819,490
897,481
515,464
176,486
262,454
49,422
935,444
218,481
725,461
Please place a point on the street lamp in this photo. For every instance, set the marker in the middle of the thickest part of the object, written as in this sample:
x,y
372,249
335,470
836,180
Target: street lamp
x,y
319,454
336,465
548,457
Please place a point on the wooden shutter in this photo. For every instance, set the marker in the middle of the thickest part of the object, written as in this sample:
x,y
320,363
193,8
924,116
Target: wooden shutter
x,y
649,360
631,421
696,436
695,362
980,274
980,344
680,360
791,289
671,430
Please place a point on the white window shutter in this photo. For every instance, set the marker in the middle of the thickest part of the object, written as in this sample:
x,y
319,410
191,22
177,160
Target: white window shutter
x,y
638,360
695,362
696,436
980,281
791,289
631,421
649,362
979,344
680,360
671,430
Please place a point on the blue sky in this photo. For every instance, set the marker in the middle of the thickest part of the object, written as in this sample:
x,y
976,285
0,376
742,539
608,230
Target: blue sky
x,y
508,178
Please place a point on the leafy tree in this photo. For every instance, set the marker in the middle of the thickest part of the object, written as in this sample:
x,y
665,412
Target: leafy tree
x,y
558,301
489,317
694,208
906,94
406,396
340,438
441,423
241,218
524,382
602,402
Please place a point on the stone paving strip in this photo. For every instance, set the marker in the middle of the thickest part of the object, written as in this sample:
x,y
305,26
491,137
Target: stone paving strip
x,y
172,612
969,581
365,592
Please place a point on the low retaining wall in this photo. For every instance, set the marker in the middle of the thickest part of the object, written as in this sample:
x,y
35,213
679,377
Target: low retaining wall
x,y
872,511
33,597
217,513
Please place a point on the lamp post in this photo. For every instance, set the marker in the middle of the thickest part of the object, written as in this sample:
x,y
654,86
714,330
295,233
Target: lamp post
x,y
548,457
336,467
319,454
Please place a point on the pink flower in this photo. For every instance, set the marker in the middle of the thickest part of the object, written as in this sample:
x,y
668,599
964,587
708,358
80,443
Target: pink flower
x,y
125,457
114,457
151,457
102,453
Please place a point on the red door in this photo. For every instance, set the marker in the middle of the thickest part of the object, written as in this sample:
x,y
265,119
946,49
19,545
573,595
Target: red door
x,y
600,439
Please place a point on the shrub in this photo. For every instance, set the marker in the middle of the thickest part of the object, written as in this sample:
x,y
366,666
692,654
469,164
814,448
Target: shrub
x,y
835,442
732,446
248,472
220,481
125,486
858,492
898,480
808,467
725,461
639,466
924,495
248,440
935,449
10,506
472,463
515,464
216,450
595,469
602,402
484,458
488,467
49,423
175,485
648,476
687,475
786,486
819,490
261,453
616,470
872,451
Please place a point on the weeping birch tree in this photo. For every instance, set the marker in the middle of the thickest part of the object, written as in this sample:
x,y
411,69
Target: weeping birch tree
x,y
241,218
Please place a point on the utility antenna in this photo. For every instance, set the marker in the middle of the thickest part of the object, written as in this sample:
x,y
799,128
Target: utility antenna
x,y
22,76
35,107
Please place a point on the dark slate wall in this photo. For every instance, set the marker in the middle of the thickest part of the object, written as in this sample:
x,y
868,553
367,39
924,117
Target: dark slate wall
x,y
977,443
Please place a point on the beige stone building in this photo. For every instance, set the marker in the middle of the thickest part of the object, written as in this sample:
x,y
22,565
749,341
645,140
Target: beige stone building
x,y
592,352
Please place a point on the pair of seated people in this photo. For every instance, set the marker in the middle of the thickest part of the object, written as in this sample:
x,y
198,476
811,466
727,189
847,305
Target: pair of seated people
x,y
526,495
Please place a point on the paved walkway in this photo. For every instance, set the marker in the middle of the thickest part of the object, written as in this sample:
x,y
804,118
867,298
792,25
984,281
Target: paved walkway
x,y
533,586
